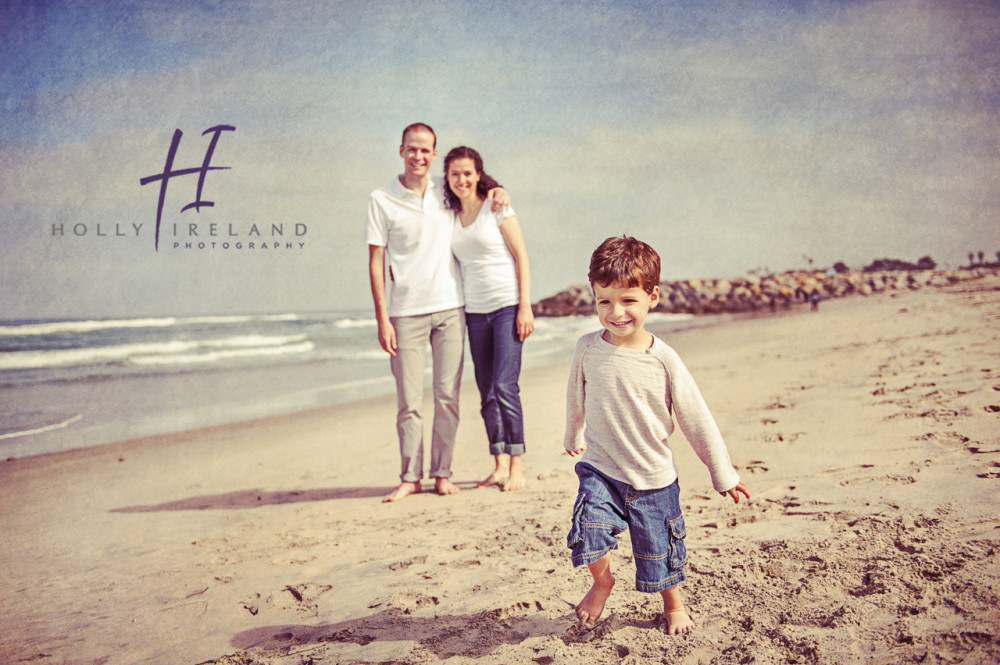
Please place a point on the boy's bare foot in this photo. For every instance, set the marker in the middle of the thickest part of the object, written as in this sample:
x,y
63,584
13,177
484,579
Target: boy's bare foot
x,y
498,477
405,489
444,487
678,622
514,483
590,608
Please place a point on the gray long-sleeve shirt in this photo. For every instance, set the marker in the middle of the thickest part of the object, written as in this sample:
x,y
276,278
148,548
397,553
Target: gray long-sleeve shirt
x,y
621,402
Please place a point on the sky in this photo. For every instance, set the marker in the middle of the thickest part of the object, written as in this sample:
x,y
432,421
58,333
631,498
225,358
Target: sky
x,y
733,136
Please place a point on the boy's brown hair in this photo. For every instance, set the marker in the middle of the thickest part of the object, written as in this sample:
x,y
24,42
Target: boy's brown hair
x,y
625,261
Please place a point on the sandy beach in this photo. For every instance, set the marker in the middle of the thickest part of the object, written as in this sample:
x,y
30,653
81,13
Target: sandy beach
x,y
868,433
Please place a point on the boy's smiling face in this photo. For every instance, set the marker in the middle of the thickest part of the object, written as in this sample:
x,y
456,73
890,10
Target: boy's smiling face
x,y
622,310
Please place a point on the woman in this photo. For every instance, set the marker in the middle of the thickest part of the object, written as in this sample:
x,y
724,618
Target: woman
x,y
490,249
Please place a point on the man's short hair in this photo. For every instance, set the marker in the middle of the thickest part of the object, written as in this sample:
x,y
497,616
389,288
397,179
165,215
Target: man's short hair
x,y
625,262
419,125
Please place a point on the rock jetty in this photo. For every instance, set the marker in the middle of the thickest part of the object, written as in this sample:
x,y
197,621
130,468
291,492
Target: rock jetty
x,y
754,293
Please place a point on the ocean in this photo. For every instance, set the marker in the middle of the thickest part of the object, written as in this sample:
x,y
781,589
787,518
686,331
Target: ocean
x,y
67,384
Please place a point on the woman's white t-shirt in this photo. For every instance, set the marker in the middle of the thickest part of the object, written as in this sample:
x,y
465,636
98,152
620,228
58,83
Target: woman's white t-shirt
x,y
489,273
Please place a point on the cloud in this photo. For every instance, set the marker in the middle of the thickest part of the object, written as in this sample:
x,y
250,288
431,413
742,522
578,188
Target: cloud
x,y
733,135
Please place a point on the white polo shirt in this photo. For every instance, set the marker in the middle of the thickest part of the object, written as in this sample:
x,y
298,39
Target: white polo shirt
x,y
416,232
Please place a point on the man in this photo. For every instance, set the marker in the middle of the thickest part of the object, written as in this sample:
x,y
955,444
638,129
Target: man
x,y
408,223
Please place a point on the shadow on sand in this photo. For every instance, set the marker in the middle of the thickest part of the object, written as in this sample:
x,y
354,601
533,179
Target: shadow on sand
x,y
255,498
392,635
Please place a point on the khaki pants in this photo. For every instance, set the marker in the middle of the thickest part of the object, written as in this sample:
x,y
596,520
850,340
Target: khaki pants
x,y
446,333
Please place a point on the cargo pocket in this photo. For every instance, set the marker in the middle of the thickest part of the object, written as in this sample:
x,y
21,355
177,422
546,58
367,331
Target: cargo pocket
x,y
575,535
678,550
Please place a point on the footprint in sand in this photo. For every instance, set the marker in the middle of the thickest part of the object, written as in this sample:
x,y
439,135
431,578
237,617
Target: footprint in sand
x,y
945,438
302,598
407,601
252,604
401,565
780,437
841,469
994,471
956,439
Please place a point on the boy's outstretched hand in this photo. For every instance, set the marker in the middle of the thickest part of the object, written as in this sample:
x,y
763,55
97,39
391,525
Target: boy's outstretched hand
x,y
741,488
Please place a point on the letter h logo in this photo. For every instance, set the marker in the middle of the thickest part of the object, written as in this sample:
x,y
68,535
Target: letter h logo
x,y
202,170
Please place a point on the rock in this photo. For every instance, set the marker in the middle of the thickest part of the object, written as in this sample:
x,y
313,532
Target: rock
x,y
745,294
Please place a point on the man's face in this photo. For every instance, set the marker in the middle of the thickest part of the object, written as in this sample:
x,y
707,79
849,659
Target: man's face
x,y
418,152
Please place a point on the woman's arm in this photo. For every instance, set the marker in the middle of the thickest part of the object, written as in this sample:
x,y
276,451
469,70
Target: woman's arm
x,y
511,232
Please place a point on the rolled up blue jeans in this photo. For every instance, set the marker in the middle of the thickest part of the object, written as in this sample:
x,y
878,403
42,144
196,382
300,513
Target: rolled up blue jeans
x,y
496,355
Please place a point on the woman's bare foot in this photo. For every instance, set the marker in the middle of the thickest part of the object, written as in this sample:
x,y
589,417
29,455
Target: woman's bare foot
x,y
405,489
678,622
514,483
500,474
590,608
516,480
444,486
494,479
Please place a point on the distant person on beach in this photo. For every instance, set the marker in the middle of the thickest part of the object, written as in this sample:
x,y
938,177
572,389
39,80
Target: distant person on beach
x,y
814,300
494,262
409,227
625,387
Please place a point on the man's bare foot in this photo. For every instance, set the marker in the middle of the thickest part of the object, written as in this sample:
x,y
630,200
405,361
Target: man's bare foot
x,y
498,477
444,487
514,483
678,622
405,489
590,608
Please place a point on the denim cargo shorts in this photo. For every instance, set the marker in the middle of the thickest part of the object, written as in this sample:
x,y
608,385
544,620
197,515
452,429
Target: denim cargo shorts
x,y
605,507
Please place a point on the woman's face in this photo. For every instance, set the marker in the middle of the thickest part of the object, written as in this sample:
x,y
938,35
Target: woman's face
x,y
463,177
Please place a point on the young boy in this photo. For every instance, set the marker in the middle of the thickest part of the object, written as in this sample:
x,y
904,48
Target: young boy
x,y
624,387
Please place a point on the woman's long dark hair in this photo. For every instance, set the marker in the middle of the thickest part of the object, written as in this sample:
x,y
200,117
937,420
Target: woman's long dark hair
x,y
486,183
